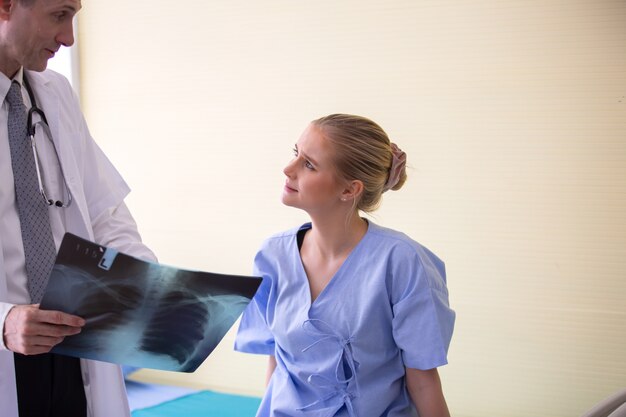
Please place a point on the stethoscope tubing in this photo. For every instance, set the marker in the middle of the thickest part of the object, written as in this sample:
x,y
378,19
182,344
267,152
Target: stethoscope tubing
x,y
31,133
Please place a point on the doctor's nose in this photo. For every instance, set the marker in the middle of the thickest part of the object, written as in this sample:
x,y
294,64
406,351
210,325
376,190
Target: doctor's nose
x,y
65,36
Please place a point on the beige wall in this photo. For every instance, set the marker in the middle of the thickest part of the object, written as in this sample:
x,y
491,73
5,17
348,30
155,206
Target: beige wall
x,y
513,114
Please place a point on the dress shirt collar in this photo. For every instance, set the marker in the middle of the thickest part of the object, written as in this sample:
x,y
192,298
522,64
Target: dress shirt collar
x,y
5,82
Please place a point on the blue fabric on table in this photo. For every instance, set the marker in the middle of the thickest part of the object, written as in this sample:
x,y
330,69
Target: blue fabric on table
x,y
202,404
127,370
142,395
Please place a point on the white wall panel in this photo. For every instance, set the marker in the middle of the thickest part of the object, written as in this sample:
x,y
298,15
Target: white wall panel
x,y
513,115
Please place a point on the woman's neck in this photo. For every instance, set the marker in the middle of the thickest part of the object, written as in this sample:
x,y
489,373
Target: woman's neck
x,y
334,238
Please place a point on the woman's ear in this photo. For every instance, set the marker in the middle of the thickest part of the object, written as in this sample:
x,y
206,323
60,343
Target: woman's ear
x,y
353,190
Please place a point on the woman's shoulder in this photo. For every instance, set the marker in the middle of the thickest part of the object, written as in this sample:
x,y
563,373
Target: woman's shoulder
x,y
286,234
399,242
409,259
283,239
395,238
279,250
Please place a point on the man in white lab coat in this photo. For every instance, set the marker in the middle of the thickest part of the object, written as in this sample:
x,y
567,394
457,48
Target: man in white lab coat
x,y
31,31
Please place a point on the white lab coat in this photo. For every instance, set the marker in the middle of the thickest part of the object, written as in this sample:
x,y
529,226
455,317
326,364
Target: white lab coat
x,y
97,213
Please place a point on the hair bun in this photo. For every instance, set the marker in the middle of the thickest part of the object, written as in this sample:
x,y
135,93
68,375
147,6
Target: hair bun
x,y
397,169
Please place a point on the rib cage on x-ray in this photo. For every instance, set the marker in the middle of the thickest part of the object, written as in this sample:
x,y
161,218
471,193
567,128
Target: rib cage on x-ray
x,y
188,321
144,314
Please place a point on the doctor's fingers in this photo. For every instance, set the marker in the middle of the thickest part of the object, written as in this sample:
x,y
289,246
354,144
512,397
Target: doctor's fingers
x,y
48,330
25,321
60,318
31,345
23,315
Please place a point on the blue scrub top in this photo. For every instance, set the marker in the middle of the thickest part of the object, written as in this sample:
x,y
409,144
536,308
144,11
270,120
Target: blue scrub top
x,y
345,353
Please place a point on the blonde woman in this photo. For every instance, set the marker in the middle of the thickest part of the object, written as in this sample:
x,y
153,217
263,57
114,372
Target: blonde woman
x,y
354,316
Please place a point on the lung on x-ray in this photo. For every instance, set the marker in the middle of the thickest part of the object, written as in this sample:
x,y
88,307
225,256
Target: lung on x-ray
x,y
142,313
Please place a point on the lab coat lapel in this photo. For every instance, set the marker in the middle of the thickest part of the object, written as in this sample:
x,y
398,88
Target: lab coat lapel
x,y
77,214
46,100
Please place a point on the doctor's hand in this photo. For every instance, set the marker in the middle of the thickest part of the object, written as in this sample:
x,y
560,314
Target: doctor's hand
x,y
30,331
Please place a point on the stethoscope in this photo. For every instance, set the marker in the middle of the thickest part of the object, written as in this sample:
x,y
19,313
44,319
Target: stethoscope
x,y
31,130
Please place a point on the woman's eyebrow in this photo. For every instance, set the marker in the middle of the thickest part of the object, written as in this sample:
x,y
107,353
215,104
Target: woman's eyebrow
x,y
308,157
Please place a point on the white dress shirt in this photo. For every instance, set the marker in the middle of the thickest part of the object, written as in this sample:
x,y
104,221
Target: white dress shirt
x,y
12,247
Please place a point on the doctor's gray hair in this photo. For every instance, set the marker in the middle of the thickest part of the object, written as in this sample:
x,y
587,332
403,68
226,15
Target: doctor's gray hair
x,y
363,152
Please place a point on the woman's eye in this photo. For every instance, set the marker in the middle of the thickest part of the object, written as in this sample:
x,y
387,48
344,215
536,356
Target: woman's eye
x,y
295,151
308,165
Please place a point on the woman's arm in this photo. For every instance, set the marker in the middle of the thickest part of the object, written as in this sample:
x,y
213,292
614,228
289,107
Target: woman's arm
x,y
271,365
425,390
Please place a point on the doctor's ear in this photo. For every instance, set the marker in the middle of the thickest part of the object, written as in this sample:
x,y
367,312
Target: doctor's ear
x,y
353,191
5,8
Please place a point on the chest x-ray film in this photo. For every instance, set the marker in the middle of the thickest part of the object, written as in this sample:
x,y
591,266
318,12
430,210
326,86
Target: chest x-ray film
x,y
142,313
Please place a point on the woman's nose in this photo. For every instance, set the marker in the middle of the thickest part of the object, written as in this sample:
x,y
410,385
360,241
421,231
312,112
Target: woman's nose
x,y
288,170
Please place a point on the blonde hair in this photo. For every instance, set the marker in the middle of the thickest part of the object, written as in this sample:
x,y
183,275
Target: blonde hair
x,y
363,152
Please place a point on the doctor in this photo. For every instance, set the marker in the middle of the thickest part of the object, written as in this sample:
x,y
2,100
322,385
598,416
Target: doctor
x,y
87,196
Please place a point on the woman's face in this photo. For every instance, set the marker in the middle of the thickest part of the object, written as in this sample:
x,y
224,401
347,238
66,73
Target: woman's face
x,y
312,182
